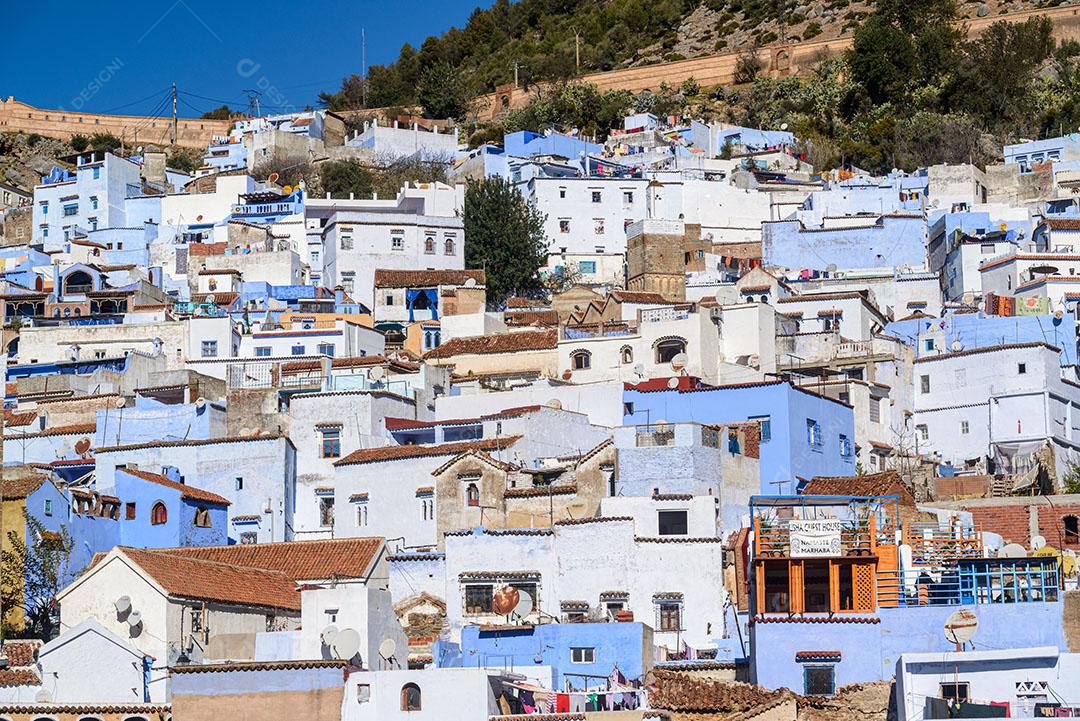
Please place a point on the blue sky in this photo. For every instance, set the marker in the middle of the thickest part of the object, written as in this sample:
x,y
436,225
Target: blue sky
x,y
109,56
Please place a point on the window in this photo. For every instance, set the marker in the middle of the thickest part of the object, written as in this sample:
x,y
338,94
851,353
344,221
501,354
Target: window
x,y
314,256
159,515
346,242
562,192
845,446
813,433
816,586
1072,529
580,360
347,282
923,431
209,349
819,681
397,242
93,226
239,483
955,691
986,248
924,384
627,354
389,299
582,655
597,196
564,225
478,598
929,344
129,511
262,351
628,197
765,423
72,209
410,697
48,506
668,349
1021,368
777,588
670,616
326,349
361,515
249,537
326,511
472,496
331,442
448,246
97,172
964,428
598,226
297,350
93,202
875,410
587,266
202,517
672,523
44,208
429,244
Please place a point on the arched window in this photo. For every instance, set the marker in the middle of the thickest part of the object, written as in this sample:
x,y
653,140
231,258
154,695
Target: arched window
x,y
78,282
581,360
669,348
1072,529
158,514
410,697
627,354
472,495
56,312
67,312
78,311
764,299
202,517
449,244
429,244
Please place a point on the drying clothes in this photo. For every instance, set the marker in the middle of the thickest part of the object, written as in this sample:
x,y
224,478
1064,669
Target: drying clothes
x,y
562,703
528,703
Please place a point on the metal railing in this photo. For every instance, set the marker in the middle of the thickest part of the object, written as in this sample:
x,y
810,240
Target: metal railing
x,y
1007,580
933,544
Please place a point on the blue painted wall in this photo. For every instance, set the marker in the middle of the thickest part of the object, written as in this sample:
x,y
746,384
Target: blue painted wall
x,y
898,240
975,330
527,143
787,454
620,645
869,651
179,528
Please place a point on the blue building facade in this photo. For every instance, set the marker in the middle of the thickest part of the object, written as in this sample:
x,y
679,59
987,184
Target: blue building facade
x,y
892,241
69,203
803,434
526,143
161,512
579,654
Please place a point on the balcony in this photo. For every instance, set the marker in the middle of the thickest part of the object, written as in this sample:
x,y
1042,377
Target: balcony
x,y
972,581
659,315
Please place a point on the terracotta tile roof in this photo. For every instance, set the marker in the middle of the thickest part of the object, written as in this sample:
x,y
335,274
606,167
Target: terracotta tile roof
x,y
70,430
987,349
515,342
386,278
542,491
21,652
257,666
815,619
394,453
17,419
596,519
16,488
149,710
817,655
848,295
886,483
18,677
755,288
516,301
186,491
206,580
1064,223
368,360
201,442
527,317
299,560
397,424
680,691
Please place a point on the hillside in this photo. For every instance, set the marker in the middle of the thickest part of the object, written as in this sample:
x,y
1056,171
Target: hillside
x,y
537,38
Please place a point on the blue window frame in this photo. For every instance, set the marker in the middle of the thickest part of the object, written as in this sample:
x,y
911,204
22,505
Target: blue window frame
x,y
819,680
297,350
262,351
845,446
326,349
587,266
97,172
813,433
766,427
94,202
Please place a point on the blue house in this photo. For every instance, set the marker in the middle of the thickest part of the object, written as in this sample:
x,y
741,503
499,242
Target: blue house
x,y
892,241
581,655
1065,147
161,511
803,434
526,143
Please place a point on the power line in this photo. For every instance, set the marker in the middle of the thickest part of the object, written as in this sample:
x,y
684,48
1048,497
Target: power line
x,y
133,102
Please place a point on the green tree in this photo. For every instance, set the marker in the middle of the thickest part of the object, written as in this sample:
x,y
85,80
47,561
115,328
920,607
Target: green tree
x,y
442,92
79,142
221,113
32,574
104,141
186,160
341,177
504,235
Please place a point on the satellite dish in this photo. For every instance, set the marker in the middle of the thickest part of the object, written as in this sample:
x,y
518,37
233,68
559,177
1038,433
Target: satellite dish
x,y
524,605
43,696
328,635
1037,542
198,217
82,446
505,600
134,619
123,604
346,644
387,648
377,373
992,541
639,369
661,422
554,403
1058,314
120,402
960,626
673,383
273,177
783,126
287,189
1013,550
679,361
957,346
470,283
245,431
200,403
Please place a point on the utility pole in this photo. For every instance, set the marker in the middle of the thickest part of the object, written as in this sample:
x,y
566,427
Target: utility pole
x,y
577,52
363,62
172,132
515,73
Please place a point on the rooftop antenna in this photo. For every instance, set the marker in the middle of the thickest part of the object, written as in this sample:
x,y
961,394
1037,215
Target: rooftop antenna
x,y
254,108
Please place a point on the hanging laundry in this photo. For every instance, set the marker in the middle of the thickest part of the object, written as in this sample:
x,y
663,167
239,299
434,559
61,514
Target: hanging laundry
x,y
562,703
